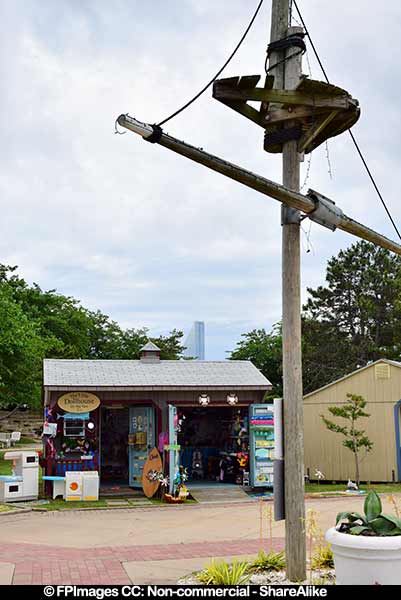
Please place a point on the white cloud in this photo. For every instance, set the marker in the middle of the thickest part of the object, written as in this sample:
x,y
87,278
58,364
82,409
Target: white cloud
x,y
145,235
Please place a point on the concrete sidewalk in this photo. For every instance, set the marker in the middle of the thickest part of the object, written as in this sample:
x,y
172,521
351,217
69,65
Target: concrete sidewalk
x,y
142,545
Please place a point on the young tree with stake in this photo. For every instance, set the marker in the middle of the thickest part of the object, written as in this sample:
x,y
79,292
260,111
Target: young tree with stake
x,y
355,439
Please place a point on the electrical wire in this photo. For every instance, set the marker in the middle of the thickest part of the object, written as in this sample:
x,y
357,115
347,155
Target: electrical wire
x,y
177,112
307,172
329,169
350,132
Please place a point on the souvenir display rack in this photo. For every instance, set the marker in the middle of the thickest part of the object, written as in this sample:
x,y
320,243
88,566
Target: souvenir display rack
x,y
261,426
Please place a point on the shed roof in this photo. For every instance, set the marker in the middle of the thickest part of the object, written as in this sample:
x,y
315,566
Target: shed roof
x,y
394,363
59,373
150,347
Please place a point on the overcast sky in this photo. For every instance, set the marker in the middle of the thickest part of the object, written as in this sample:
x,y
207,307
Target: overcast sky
x,y
144,235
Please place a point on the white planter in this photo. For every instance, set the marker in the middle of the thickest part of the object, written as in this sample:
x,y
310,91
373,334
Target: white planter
x,y
362,560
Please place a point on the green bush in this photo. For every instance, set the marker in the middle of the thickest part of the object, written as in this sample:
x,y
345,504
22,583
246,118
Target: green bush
x,y
222,573
273,561
323,558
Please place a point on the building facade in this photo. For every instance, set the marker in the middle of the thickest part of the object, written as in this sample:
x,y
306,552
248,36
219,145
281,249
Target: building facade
x,y
380,385
107,415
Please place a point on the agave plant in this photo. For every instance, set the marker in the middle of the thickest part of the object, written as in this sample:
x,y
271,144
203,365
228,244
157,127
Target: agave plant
x,y
372,522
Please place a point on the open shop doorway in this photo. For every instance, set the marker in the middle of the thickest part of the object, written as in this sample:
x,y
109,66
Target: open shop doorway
x,y
214,444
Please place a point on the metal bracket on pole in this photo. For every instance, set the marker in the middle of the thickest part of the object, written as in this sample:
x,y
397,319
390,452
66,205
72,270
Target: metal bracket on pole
x,y
289,216
326,212
278,464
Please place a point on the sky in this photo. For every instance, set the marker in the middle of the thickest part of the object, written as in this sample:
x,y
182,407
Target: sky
x,y
143,234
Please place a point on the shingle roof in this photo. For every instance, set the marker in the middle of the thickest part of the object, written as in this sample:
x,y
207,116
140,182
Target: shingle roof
x,y
164,373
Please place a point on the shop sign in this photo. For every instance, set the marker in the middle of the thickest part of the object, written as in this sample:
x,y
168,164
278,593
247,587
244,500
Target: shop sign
x,y
78,402
172,447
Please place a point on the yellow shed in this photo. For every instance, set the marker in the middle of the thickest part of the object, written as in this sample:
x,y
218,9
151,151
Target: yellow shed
x,y
380,384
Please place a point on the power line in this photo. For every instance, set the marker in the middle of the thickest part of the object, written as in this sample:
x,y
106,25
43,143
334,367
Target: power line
x,y
177,112
350,132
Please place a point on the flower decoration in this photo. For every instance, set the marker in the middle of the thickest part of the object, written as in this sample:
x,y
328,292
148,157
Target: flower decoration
x,y
152,475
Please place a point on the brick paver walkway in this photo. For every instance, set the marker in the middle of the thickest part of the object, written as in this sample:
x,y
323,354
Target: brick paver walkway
x,y
42,564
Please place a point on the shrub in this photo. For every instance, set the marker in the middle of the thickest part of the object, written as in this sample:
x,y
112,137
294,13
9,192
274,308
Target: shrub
x,y
273,561
222,573
323,558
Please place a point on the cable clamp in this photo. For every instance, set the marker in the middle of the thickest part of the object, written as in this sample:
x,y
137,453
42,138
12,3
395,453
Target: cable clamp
x,y
155,136
295,39
326,213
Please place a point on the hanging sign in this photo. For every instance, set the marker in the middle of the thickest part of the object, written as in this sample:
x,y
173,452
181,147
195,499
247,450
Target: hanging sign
x,y
78,402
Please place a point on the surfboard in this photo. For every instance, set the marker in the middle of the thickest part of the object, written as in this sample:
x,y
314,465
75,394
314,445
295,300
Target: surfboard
x,y
152,466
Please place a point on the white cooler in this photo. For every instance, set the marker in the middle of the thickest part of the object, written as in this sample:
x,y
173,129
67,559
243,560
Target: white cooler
x,y
90,485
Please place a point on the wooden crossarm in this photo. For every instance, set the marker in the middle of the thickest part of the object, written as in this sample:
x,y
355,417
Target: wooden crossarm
x,y
221,92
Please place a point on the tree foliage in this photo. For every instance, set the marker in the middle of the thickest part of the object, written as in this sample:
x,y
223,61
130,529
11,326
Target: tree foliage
x,y
37,324
21,353
325,354
361,304
264,351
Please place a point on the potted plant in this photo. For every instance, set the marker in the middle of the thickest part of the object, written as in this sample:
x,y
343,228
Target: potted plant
x,y
367,548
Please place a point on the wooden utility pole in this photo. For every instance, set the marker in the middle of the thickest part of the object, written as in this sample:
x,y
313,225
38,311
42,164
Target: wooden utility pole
x,y
287,76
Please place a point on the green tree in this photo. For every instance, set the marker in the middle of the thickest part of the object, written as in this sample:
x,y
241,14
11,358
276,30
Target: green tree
x,y
171,347
362,302
325,354
60,320
106,338
355,439
21,352
264,350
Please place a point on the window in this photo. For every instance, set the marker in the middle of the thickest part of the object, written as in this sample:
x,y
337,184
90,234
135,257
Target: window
x,y
74,428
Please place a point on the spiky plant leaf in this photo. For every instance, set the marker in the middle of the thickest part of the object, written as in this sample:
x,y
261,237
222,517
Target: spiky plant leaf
x,y
273,561
372,506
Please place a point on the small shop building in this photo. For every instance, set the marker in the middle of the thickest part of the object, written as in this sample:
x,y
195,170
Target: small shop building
x,y
380,385
107,415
